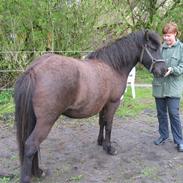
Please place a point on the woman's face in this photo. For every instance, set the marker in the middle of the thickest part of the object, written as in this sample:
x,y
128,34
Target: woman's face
x,y
169,38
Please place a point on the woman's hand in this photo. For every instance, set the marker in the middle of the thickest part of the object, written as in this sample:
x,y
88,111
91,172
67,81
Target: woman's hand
x,y
169,71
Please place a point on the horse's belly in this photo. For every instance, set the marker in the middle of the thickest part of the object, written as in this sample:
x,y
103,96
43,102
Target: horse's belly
x,y
83,112
78,114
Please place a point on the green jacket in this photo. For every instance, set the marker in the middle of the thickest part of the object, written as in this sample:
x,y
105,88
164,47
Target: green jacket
x,y
172,85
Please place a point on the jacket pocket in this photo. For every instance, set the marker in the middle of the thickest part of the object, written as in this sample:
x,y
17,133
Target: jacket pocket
x,y
156,89
174,61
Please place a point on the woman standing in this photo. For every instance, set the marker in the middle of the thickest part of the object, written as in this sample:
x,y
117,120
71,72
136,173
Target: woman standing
x,y
168,90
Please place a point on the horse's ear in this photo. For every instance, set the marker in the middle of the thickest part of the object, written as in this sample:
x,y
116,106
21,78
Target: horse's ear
x,y
146,35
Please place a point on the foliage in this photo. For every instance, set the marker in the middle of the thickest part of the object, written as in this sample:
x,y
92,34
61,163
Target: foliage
x,y
29,27
153,14
72,27
173,13
47,25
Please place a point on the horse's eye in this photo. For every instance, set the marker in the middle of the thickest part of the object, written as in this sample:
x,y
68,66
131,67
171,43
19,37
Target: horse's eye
x,y
154,48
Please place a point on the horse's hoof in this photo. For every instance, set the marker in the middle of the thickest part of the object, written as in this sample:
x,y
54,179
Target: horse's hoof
x,y
42,173
46,173
26,179
100,142
110,150
38,173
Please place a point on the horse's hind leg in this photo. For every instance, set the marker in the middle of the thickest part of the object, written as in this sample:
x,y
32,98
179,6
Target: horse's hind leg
x,y
108,114
39,133
29,151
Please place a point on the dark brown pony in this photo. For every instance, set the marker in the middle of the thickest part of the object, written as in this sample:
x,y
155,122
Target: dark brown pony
x,y
55,85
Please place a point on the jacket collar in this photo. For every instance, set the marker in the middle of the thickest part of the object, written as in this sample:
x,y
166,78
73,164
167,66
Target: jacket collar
x,y
164,45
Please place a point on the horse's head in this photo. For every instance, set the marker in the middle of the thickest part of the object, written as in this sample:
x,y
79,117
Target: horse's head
x,y
151,54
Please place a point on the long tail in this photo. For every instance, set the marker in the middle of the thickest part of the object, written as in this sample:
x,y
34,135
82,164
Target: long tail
x,y
24,115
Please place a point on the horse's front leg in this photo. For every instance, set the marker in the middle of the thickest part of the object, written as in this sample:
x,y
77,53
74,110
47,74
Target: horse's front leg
x,y
102,123
109,111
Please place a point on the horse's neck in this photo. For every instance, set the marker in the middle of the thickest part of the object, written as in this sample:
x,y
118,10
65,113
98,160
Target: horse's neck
x,y
127,70
133,55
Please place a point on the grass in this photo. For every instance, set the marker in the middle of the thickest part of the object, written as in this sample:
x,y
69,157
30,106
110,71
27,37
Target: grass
x,y
76,178
128,107
144,101
132,107
6,102
6,108
143,75
150,172
4,180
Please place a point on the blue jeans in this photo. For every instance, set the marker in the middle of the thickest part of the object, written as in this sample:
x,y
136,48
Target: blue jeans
x,y
169,106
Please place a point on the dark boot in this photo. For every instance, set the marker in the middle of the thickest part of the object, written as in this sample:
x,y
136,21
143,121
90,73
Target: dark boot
x,y
160,140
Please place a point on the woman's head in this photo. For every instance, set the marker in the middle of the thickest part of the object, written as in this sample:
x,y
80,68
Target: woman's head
x,y
170,28
170,31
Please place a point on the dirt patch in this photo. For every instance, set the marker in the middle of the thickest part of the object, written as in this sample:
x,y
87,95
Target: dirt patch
x,y
71,154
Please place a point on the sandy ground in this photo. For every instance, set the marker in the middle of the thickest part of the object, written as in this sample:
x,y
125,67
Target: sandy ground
x,y
71,154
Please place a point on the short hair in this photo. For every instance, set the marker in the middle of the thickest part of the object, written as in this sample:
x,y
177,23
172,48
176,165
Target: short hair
x,y
170,27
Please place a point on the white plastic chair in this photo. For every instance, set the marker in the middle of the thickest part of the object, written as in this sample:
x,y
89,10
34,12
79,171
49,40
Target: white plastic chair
x,y
131,82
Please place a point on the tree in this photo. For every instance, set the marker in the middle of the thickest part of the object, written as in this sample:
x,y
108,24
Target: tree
x,y
70,27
